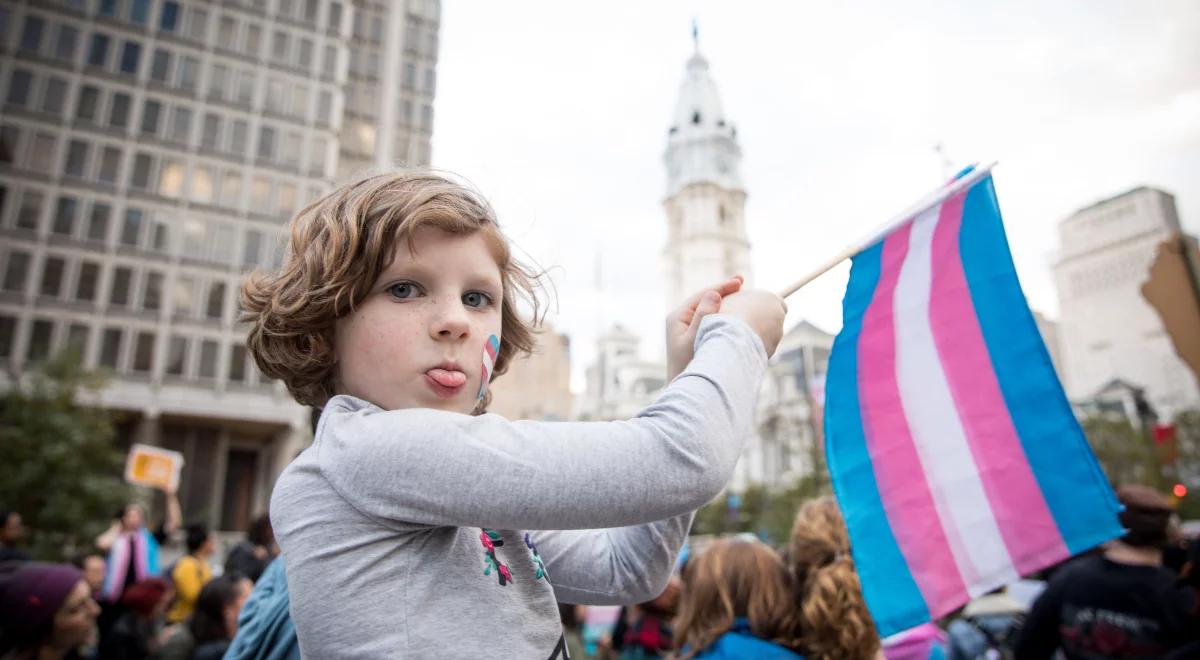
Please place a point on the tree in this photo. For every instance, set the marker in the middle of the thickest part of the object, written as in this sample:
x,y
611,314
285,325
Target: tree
x,y
1126,454
58,467
1187,461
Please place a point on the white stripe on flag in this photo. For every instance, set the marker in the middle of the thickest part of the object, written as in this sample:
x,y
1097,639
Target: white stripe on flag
x,y
937,431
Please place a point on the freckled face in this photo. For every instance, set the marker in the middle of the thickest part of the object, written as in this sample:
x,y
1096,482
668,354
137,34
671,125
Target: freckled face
x,y
417,340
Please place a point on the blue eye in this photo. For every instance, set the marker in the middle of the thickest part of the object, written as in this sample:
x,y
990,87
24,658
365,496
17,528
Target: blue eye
x,y
403,290
476,299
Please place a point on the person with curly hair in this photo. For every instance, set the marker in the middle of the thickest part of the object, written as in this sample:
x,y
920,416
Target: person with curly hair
x,y
834,621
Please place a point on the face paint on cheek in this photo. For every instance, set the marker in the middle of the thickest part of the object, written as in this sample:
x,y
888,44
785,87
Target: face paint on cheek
x,y
491,350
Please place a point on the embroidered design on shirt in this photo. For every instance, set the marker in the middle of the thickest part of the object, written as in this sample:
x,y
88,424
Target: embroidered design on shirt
x,y
490,540
539,566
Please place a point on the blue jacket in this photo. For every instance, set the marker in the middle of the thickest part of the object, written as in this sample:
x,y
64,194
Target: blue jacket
x,y
265,630
739,642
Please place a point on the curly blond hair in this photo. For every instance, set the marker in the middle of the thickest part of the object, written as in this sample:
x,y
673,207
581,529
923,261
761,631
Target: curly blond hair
x,y
339,246
734,578
835,620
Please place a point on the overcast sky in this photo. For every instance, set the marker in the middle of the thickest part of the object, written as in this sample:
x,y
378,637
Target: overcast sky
x,y
558,112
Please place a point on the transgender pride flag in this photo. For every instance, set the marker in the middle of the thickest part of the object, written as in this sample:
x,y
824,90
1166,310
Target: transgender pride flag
x,y
955,456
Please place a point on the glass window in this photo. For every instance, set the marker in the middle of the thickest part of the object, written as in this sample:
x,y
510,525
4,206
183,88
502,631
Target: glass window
x,y
54,96
39,340
409,78
119,293
8,332
138,11
226,29
41,157
118,112
287,199
160,66
77,338
150,114
170,179
18,87
108,8
324,108
299,105
237,364
98,51
64,215
85,287
276,96
223,248
30,211
245,90
238,133
427,117
376,28
231,189
335,16
208,359
304,56
197,23
183,296
430,80
98,222
9,136
160,238
131,229
31,33
143,352
110,164
110,347
266,143
279,45
152,293
17,271
168,18
68,39
187,73
260,195
52,276
176,355
140,177
216,300
251,248
253,39
329,63
316,159
89,98
5,18
131,55
202,185
310,10
218,81
195,239
211,135
181,124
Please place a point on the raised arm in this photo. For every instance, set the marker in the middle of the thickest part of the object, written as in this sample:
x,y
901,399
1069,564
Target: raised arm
x,y
105,541
174,512
431,467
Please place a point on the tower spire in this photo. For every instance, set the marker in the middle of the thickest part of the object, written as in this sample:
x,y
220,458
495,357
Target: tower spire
x,y
696,35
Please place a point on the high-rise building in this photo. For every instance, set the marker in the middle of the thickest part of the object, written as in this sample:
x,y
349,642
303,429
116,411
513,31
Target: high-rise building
x,y
151,153
1107,329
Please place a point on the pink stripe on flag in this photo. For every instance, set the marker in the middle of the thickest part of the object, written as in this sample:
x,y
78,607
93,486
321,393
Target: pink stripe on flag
x,y
903,488
1026,524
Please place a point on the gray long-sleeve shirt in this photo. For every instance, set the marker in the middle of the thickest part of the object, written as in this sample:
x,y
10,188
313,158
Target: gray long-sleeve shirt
x,y
380,519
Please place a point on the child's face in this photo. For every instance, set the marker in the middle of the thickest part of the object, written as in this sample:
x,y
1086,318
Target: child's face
x,y
417,340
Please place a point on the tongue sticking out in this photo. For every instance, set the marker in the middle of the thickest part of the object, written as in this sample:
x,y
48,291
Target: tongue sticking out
x,y
447,378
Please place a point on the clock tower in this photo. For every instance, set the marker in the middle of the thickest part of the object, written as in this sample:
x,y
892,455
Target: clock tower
x,y
705,202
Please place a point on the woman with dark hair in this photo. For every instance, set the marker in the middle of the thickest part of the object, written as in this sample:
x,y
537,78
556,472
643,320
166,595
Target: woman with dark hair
x,y
214,623
251,556
46,611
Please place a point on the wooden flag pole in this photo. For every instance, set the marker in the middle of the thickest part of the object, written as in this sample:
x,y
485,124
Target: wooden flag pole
x,y
933,198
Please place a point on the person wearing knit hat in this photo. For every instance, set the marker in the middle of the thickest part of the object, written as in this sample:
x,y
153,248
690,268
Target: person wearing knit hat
x,y
1120,603
46,611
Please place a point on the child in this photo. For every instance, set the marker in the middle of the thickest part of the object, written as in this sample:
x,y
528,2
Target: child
x,y
834,617
737,603
401,526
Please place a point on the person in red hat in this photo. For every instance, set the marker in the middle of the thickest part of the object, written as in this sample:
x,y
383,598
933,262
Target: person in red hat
x,y
46,611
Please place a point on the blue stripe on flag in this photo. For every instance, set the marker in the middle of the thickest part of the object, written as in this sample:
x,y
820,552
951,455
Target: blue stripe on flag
x,y
891,593
1075,488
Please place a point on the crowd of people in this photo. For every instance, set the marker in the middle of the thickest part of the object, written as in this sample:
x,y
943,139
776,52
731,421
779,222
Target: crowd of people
x,y
118,601
417,526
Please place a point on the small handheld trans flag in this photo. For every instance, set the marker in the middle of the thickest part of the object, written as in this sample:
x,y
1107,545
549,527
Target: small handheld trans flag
x,y
491,350
957,461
